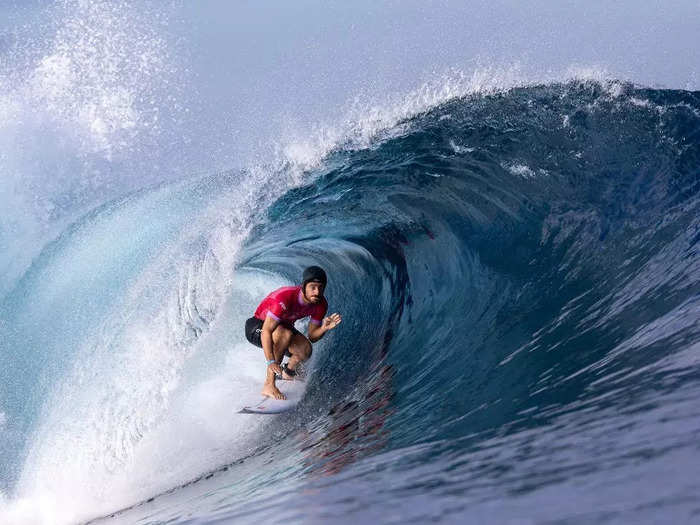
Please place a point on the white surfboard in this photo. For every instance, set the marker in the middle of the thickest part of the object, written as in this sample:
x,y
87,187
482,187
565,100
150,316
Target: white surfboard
x,y
294,390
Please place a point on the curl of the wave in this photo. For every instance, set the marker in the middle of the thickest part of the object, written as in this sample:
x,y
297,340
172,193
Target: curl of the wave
x,y
178,263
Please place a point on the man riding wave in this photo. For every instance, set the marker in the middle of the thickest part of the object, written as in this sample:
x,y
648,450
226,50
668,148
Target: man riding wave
x,y
272,326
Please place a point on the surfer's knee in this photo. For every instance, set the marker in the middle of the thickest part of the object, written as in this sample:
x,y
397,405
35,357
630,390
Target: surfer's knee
x,y
304,349
282,335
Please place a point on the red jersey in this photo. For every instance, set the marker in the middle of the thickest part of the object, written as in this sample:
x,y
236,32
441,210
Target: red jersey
x,y
287,305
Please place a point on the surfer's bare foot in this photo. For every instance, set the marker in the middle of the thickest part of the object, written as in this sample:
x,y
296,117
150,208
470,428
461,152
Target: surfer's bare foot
x,y
273,392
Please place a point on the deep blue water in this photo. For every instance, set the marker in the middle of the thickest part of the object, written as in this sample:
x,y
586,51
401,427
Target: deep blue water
x,y
520,285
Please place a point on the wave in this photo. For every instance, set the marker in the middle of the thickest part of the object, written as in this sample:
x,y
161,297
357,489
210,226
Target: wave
x,y
536,239
515,267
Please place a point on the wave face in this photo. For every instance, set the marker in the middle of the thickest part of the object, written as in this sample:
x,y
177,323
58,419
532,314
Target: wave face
x,y
520,281
520,285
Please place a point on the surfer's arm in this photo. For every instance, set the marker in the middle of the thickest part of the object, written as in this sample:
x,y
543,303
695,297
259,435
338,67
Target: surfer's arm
x,y
317,331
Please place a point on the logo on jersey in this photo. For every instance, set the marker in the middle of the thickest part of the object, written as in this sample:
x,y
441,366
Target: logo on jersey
x,y
284,307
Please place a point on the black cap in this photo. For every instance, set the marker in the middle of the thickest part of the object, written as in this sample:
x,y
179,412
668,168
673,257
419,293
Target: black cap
x,y
313,274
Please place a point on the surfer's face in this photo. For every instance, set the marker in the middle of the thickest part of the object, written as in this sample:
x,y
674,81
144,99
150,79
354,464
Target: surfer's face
x,y
314,292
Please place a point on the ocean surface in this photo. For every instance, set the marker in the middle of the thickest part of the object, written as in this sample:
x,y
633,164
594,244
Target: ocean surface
x,y
517,268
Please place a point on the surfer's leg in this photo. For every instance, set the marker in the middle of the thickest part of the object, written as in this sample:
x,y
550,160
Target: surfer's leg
x,y
281,339
280,342
300,348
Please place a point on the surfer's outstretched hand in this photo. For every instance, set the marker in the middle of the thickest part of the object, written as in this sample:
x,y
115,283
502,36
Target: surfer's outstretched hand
x,y
331,321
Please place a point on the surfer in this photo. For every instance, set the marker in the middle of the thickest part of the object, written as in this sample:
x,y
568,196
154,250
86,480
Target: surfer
x,y
272,326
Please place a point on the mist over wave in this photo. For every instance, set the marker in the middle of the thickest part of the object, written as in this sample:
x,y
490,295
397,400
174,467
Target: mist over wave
x,y
88,101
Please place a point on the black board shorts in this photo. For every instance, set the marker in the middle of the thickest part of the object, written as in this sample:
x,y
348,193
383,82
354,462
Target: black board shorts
x,y
253,329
